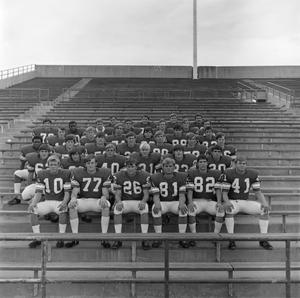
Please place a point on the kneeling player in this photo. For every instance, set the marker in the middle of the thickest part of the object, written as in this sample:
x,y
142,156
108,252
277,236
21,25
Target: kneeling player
x,y
92,186
168,189
132,194
55,183
235,187
204,194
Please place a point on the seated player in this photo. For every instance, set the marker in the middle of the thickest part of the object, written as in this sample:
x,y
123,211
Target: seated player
x,y
182,161
186,126
192,146
236,186
110,159
145,122
74,160
75,131
145,159
89,136
90,192
169,189
118,135
131,195
35,162
58,140
209,138
162,126
46,130
129,146
173,121
147,136
178,137
204,194
160,145
227,149
198,122
99,125
216,160
98,147
128,127
55,184
34,147
64,150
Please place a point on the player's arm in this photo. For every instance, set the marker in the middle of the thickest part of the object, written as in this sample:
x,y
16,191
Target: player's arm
x,y
40,187
182,205
260,196
218,191
154,190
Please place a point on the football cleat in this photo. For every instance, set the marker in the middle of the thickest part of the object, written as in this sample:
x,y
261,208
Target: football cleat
x,y
192,243
266,245
232,245
71,244
156,244
34,244
60,244
105,244
146,245
184,244
53,217
116,244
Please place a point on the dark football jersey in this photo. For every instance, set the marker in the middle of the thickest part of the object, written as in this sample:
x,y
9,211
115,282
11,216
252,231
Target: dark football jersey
x,y
53,185
124,149
132,187
223,163
55,141
196,150
149,163
28,149
163,149
172,139
115,139
141,138
168,188
207,141
44,132
92,148
238,185
77,133
68,163
35,163
63,151
114,163
185,163
84,140
228,150
204,184
141,124
90,185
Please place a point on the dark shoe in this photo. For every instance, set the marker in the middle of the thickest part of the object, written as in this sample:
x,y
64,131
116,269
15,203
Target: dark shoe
x,y
232,245
86,218
14,201
116,245
165,220
71,244
34,244
192,243
105,244
156,244
146,245
266,245
60,244
184,244
53,217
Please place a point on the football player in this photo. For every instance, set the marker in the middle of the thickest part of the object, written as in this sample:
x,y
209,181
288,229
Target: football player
x,y
178,137
128,127
98,147
45,130
55,184
35,162
58,140
160,145
131,195
90,192
73,161
168,189
64,150
89,136
236,186
74,130
216,159
204,194
192,146
227,149
145,159
129,146
147,136
199,120
145,122
110,159
118,136
172,122
182,161
209,138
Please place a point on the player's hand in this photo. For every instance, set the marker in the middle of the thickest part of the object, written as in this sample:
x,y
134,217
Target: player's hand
x,y
103,203
72,204
156,208
192,207
266,209
228,206
142,205
31,208
119,206
182,208
62,206
219,206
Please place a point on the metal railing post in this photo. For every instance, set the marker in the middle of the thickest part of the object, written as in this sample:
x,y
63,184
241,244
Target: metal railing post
x,y
167,267
288,268
44,268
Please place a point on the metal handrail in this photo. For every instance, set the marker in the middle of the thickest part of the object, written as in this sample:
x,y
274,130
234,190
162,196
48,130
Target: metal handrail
x,y
16,71
166,238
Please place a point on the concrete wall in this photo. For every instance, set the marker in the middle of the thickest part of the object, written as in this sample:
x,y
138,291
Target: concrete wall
x,y
241,72
8,82
113,71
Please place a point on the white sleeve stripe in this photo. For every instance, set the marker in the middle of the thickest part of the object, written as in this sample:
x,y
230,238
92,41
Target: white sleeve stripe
x,y
40,186
154,190
182,188
256,185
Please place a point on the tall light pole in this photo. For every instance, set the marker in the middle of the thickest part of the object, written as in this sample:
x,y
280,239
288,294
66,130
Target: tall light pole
x,y
195,72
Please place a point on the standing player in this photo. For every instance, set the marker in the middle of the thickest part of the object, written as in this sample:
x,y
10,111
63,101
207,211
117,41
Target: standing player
x,y
90,193
236,186
204,194
55,183
110,159
131,195
169,189
216,159
129,146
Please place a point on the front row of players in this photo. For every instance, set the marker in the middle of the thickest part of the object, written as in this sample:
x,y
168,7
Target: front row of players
x,y
184,194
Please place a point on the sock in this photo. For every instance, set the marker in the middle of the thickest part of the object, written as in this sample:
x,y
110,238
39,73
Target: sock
x,y
263,226
118,228
144,228
74,223
36,229
62,228
105,224
229,222
182,228
17,188
158,229
218,227
193,228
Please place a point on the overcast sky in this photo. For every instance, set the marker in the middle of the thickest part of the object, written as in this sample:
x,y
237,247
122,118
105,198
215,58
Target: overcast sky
x,y
149,32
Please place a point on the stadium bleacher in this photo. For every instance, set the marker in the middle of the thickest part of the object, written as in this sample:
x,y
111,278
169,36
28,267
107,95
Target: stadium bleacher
x,y
261,131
